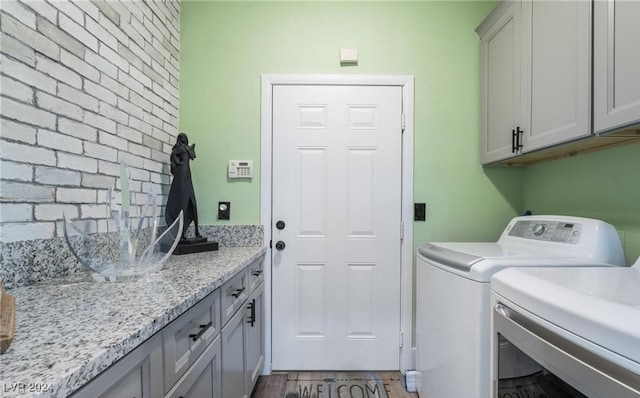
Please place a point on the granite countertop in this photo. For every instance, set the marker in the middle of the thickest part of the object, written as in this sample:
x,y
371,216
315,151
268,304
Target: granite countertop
x,y
70,329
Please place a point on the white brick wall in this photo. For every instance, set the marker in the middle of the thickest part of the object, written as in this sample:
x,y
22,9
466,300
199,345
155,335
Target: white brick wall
x,y
15,212
26,153
11,232
53,212
16,171
27,113
17,132
53,140
17,90
58,70
55,176
84,86
77,129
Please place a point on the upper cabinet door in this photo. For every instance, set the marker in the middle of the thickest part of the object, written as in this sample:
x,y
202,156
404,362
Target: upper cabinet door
x,y
556,72
500,41
616,64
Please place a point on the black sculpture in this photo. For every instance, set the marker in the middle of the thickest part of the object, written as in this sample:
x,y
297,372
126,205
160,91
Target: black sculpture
x,y
181,195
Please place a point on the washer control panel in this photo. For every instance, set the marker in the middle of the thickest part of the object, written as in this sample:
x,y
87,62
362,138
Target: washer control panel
x,y
551,231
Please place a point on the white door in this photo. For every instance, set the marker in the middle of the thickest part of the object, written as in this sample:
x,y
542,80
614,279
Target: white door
x,y
337,190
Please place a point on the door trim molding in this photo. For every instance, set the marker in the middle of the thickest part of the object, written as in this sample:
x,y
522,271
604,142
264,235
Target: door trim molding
x,y
268,81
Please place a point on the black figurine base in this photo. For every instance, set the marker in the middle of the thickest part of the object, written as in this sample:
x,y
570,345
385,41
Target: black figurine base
x,y
192,241
195,245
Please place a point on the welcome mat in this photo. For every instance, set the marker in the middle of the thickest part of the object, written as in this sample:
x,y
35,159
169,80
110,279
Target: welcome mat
x,y
345,385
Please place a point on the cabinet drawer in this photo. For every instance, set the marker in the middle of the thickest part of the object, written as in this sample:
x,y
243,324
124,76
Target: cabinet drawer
x,y
204,378
234,293
188,336
255,274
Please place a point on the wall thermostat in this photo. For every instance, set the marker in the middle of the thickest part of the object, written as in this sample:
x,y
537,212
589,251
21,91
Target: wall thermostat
x,y
241,169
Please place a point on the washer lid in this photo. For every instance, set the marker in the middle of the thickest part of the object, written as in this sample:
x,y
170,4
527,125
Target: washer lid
x,y
478,261
449,257
599,304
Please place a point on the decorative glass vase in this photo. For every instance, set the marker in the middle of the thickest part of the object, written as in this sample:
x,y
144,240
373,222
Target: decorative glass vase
x,y
136,247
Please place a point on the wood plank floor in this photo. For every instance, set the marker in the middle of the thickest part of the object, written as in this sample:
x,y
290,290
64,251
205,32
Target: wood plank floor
x,y
332,385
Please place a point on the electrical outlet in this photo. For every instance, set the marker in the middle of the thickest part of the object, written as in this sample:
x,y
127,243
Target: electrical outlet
x,y
224,210
419,212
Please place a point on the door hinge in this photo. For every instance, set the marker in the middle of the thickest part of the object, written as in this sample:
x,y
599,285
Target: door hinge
x,y
401,339
401,231
403,122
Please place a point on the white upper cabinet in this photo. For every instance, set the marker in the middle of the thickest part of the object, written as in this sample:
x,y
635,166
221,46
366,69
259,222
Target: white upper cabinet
x,y
536,77
500,40
616,77
556,74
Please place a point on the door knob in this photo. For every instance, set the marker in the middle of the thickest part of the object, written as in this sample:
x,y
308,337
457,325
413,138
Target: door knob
x,y
280,245
280,225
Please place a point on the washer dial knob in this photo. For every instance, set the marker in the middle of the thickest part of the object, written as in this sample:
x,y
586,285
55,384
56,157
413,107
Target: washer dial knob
x,y
539,229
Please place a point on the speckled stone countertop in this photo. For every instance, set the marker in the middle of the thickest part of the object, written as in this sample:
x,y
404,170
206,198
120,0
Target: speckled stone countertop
x,y
68,330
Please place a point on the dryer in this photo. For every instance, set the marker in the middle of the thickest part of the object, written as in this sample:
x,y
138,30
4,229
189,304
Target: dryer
x,y
581,325
453,295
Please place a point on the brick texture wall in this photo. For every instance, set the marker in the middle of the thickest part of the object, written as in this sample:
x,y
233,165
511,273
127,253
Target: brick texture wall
x,y
85,85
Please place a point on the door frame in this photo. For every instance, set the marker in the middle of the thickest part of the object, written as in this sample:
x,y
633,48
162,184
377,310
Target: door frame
x,y
406,82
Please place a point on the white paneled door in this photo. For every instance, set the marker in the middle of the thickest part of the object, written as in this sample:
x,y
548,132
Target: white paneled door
x,y
336,228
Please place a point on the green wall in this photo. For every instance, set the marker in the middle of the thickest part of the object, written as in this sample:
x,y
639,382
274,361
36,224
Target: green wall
x,y
603,185
226,46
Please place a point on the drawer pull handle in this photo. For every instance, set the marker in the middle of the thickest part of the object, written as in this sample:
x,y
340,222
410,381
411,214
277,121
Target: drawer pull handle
x,y
257,273
236,293
252,315
203,328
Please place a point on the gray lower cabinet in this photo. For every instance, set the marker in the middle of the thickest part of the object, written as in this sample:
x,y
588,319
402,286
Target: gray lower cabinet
x,y
234,293
186,338
254,337
243,347
233,369
255,275
137,375
214,350
202,380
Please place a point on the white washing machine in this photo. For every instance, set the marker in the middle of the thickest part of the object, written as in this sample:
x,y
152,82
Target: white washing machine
x,y
581,325
453,294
